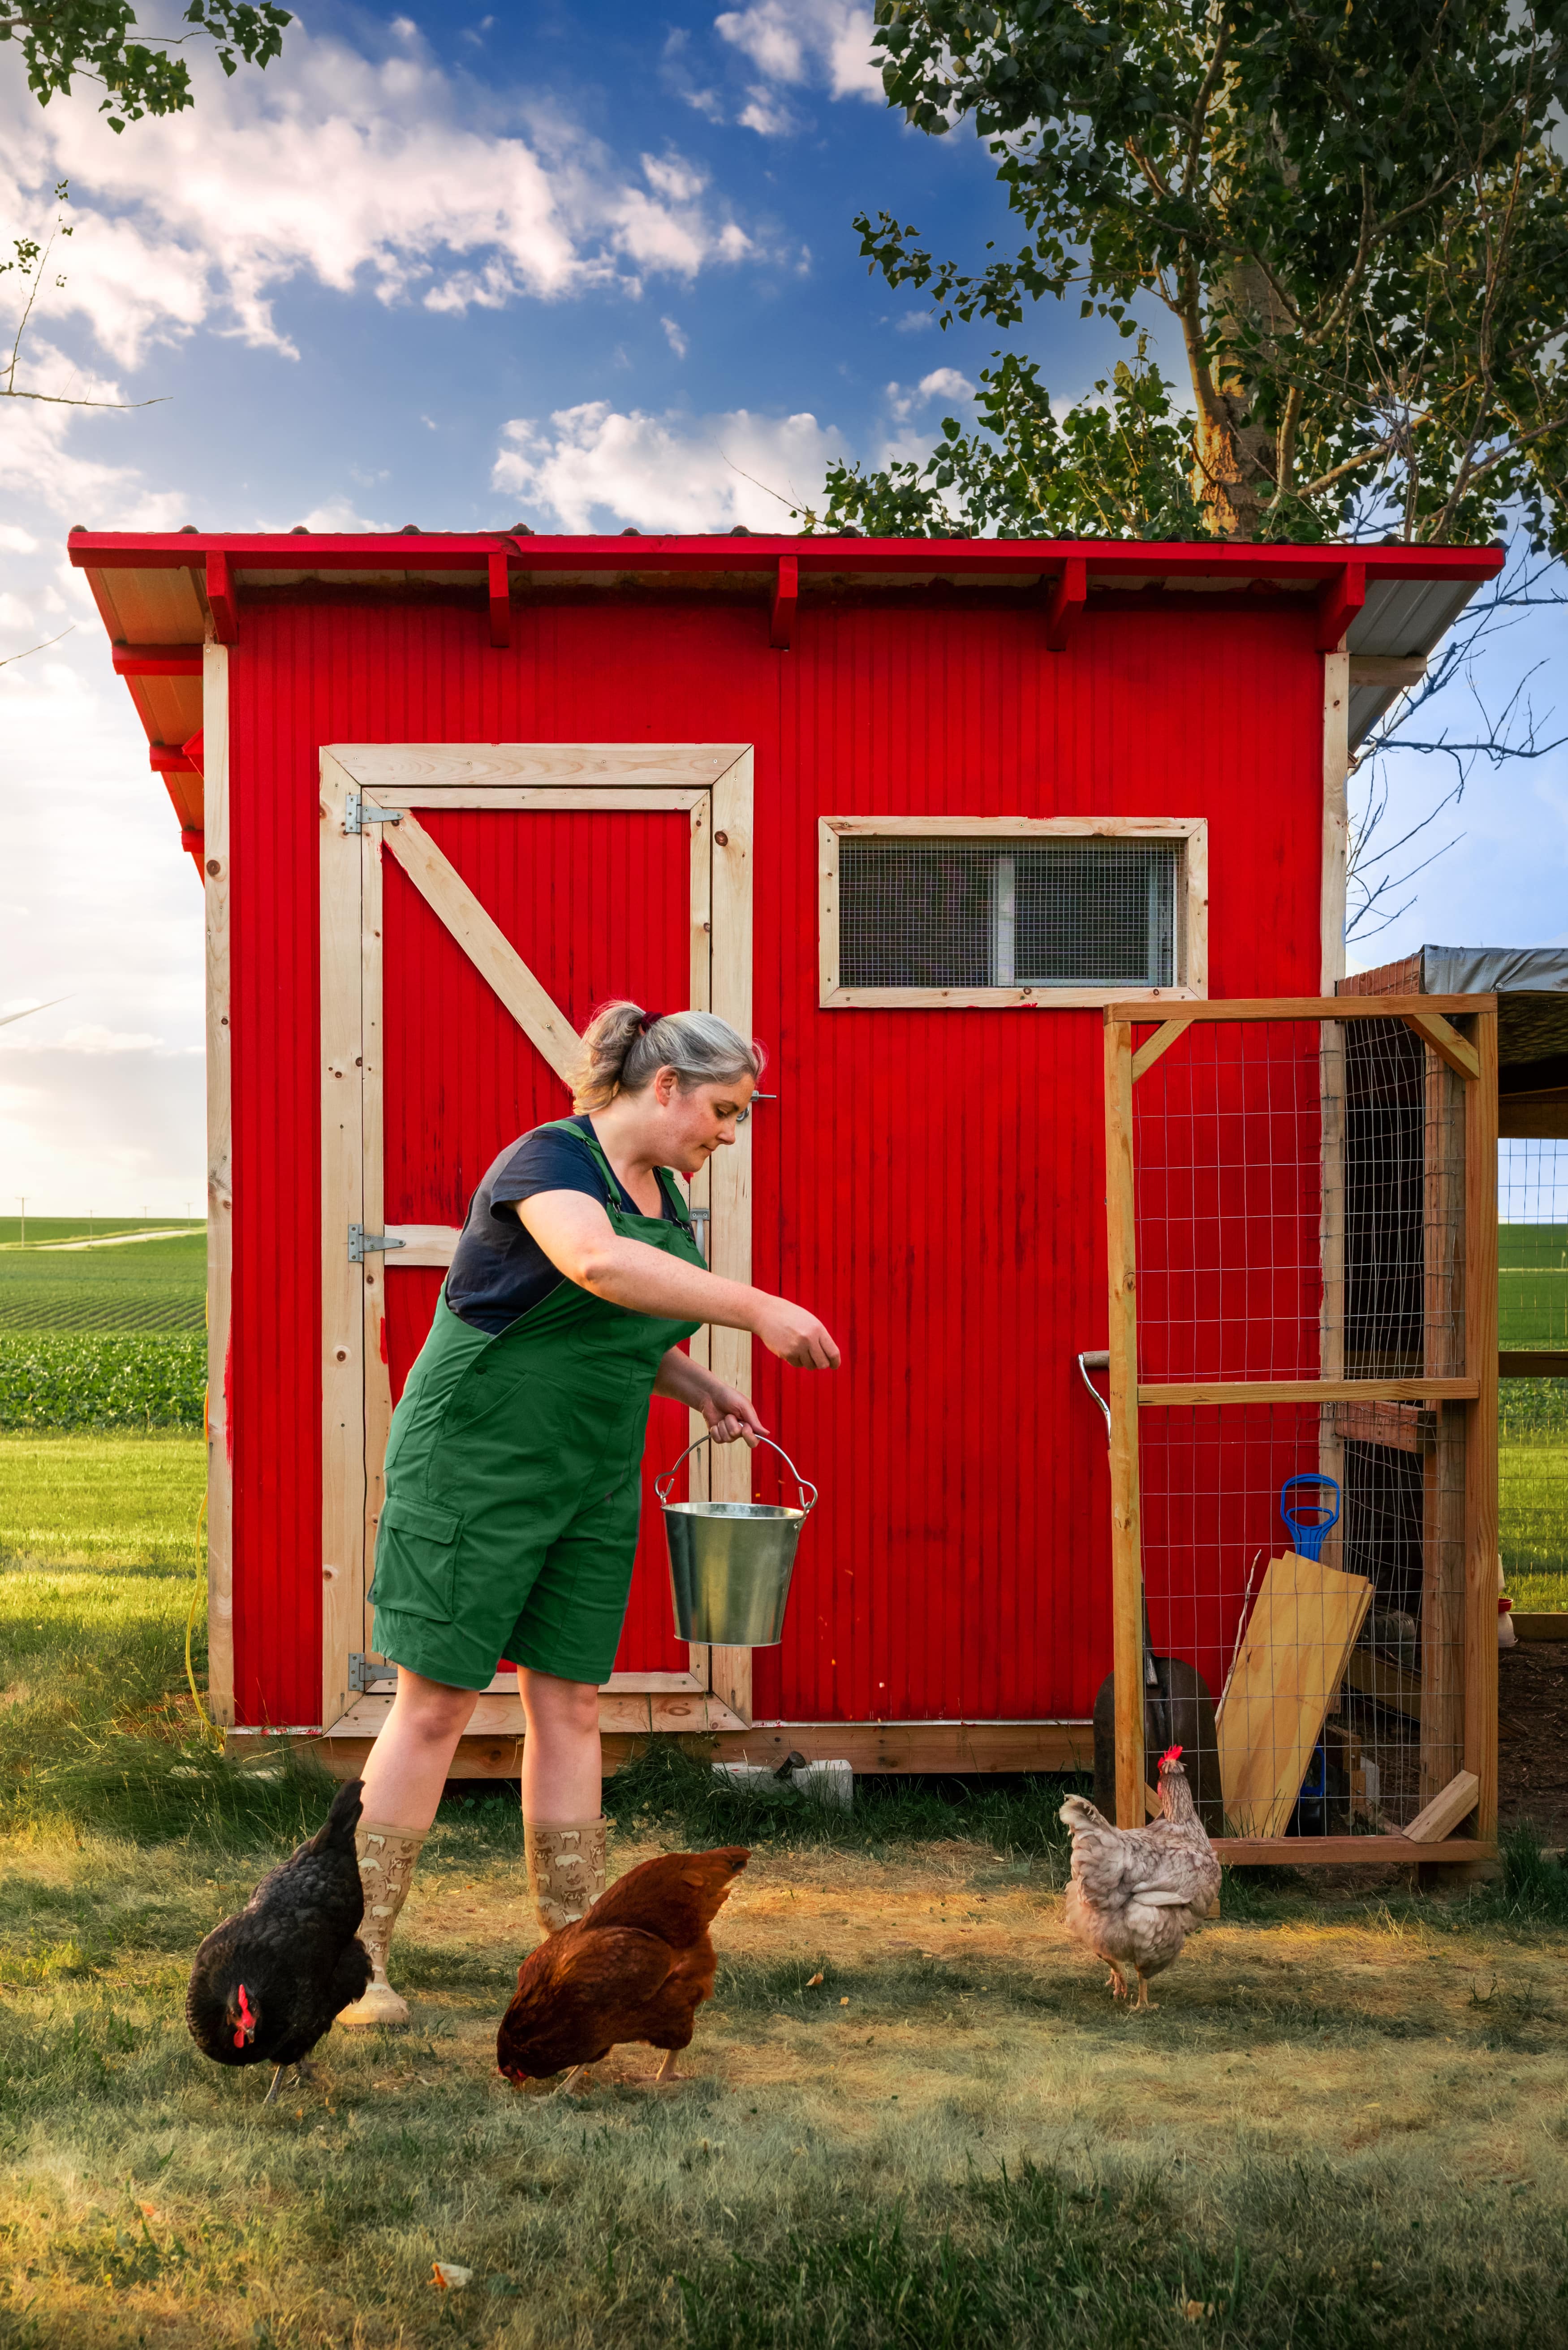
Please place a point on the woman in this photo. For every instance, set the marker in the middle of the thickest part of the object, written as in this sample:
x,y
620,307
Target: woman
x,y
513,1482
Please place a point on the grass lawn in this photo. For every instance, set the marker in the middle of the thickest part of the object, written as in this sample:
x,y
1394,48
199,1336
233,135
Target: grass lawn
x,y
1344,2125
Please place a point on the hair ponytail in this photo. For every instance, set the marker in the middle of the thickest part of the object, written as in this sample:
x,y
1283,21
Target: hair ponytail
x,y
624,1048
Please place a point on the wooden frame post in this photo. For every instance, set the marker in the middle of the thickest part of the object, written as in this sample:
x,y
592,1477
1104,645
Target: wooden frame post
x,y
730,1179
1126,1563
1443,1460
1480,1531
220,1192
342,1282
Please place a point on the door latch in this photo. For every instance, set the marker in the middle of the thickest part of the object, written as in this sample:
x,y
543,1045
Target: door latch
x,y
702,1218
362,1243
357,815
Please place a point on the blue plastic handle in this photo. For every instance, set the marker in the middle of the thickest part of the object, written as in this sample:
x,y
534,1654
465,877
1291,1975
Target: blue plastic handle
x,y
1308,1539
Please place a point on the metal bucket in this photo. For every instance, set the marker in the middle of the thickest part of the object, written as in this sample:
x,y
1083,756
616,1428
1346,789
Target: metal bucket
x,y
731,1562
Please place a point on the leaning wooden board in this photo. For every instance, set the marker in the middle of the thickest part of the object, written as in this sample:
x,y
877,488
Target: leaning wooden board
x,y
1293,1654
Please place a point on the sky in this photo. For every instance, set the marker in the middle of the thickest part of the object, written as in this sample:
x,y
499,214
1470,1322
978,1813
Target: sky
x,y
576,265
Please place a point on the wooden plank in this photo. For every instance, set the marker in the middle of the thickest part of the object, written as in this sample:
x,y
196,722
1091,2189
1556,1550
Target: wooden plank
x,y
372,1272
700,917
220,1188
1291,1659
1450,1804
1330,1085
393,767
729,1175
1022,827
1380,1678
1402,1427
486,946
1335,819
543,800
1443,1462
891,1748
1194,909
426,1244
1446,1042
1386,669
1412,1390
1001,999
1315,1007
1127,1559
827,837
1480,1531
1541,1624
1548,1363
342,1204
1149,1051
1341,1851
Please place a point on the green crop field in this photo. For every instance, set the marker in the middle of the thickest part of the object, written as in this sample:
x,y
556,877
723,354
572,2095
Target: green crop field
x,y
1532,1285
102,1336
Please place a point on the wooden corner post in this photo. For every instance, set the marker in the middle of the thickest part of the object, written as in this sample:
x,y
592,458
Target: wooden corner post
x,y
1481,1432
1127,1565
220,1192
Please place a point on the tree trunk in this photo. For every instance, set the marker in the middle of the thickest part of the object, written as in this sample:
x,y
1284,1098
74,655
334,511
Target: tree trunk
x,y
1234,461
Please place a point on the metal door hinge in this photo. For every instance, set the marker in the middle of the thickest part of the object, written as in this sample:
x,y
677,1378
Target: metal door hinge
x,y
365,1672
702,1218
357,815
362,1243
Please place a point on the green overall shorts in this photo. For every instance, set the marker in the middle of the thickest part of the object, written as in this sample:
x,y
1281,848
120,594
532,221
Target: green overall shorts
x,y
514,1478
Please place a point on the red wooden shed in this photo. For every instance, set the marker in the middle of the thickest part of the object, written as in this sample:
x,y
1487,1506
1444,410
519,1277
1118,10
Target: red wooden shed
x,y
914,812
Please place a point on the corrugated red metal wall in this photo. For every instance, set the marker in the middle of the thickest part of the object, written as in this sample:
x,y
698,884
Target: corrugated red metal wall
x,y
931,1183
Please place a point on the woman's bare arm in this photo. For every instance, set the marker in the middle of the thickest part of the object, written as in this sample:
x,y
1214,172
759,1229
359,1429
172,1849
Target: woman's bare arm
x,y
577,1237
727,1412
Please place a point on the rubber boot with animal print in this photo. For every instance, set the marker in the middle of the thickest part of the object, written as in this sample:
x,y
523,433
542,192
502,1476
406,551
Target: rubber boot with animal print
x,y
387,1856
566,1871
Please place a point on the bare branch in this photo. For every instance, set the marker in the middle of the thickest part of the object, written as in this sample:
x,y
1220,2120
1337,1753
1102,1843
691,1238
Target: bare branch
x,y
6,659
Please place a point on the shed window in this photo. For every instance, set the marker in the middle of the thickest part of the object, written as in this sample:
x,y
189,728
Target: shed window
x,y
1000,915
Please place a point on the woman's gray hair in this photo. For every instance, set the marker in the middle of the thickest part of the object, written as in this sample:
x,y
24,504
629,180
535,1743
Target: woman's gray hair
x,y
624,1049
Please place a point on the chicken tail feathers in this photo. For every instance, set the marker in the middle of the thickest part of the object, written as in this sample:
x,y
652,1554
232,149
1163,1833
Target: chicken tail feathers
x,y
337,1832
678,1896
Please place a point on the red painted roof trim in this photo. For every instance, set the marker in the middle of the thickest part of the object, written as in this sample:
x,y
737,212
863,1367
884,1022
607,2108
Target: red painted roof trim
x,y
221,554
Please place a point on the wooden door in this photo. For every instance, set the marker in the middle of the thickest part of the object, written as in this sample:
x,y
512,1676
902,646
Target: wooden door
x,y
476,903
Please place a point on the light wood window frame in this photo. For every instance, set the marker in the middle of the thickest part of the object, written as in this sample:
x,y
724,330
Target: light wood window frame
x,y
1192,909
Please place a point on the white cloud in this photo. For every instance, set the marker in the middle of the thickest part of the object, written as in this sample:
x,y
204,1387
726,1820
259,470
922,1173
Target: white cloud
x,y
595,466
16,542
675,338
345,169
798,42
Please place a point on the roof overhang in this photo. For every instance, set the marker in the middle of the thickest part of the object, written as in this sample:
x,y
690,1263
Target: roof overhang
x,y
164,596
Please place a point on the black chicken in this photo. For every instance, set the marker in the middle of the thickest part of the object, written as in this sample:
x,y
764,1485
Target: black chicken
x,y
266,1985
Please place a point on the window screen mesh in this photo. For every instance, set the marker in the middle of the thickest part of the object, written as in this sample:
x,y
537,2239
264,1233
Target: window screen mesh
x,y
1007,913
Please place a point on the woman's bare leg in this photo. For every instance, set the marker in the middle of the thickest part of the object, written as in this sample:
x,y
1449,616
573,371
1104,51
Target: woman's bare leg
x,y
562,1779
407,1764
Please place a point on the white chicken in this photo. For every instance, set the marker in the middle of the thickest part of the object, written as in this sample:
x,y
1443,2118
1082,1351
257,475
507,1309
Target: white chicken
x,y
1135,1893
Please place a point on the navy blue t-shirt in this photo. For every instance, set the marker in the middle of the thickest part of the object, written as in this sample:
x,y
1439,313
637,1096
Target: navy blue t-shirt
x,y
498,1270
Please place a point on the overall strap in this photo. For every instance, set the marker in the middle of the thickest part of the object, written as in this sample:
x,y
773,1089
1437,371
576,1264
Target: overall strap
x,y
665,1179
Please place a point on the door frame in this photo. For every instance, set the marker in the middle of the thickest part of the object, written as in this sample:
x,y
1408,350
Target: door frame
x,y
713,784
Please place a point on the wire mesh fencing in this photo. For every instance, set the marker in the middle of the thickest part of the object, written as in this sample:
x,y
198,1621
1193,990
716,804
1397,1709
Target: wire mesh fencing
x,y
1532,1412
1299,1209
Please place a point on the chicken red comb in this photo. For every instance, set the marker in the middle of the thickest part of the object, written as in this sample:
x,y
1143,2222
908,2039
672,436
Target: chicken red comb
x,y
247,2021
1171,1754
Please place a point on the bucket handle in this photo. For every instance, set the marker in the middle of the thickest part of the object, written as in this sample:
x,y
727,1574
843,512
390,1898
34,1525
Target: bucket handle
x,y
661,1485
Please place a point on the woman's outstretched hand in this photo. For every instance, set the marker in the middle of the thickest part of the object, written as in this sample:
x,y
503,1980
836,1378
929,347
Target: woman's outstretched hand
x,y
729,1415
795,1336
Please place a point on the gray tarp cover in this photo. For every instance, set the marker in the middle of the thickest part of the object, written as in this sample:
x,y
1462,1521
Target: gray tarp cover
x,y
1493,971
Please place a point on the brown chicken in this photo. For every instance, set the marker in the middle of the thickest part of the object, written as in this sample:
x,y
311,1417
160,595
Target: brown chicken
x,y
638,1967
1135,1893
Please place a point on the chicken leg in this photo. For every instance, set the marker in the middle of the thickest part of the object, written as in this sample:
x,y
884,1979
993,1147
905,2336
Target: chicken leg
x,y
1143,2000
666,2071
578,2073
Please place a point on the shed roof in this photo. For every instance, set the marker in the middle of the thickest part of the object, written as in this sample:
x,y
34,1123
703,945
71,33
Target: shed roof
x,y
162,595
1531,985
